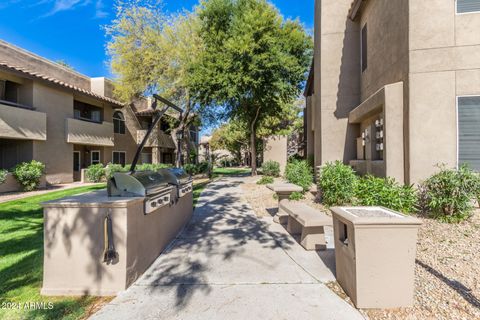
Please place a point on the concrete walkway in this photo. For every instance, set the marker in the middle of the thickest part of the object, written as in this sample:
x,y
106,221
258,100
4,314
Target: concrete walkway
x,y
229,264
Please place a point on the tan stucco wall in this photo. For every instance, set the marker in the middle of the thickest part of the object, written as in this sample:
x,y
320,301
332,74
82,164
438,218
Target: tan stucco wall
x,y
275,149
309,129
89,133
444,63
387,51
128,142
18,123
30,61
74,236
336,83
55,153
11,184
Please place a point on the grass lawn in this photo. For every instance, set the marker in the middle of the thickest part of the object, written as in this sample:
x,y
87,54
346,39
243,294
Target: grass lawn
x,y
230,171
198,187
21,261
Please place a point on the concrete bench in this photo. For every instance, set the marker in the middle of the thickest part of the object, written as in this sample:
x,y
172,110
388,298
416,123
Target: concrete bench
x,y
308,222
283,191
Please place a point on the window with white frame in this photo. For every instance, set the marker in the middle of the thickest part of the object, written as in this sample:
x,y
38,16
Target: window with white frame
x,y
468,109
119,157
467,6
94,157
118,123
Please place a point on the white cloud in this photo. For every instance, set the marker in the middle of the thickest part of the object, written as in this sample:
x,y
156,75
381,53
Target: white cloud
x,y
99,10
64,5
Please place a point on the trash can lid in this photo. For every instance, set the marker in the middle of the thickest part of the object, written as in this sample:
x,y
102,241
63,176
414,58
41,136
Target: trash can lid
x,y
374,215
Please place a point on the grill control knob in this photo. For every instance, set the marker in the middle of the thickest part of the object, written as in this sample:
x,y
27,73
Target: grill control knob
x,y
153,204
165,198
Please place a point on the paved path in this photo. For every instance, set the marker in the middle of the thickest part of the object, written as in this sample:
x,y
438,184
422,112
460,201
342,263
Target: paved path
x,y
228,264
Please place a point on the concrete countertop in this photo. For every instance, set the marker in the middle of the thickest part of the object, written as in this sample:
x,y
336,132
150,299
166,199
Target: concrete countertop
x,y
96,199
284,187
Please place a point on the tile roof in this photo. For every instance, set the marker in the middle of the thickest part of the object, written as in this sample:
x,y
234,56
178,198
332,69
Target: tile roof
x,y
40,76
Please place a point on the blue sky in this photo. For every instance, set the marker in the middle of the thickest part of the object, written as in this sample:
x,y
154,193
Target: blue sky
x,y
70,30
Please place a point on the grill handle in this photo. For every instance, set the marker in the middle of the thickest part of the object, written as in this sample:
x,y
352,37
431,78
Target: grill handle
x,y
154,123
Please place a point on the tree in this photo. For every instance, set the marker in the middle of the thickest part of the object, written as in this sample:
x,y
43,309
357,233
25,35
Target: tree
x,y
253,62
232,137
151,52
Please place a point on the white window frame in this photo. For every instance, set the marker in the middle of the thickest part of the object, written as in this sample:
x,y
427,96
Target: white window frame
x,y
462,13
79,161
99,156
458,124
118,151
122,120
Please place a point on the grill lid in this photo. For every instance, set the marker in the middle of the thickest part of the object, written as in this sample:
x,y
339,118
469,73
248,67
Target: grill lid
x,y
142,183
175,176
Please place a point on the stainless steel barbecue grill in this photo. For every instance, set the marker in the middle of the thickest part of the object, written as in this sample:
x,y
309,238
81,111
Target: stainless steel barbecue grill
x,y
157,187
177,177
149,184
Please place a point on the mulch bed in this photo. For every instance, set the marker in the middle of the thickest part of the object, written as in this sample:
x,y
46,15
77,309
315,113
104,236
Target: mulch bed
x,y
447,269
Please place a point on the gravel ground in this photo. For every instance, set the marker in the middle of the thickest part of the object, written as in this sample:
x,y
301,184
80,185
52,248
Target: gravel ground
x,y
447,270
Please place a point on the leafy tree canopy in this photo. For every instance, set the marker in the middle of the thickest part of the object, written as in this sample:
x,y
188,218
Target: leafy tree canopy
x,y
253,63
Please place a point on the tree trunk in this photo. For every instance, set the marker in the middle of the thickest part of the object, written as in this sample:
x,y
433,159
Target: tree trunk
x,y
253,144
253,152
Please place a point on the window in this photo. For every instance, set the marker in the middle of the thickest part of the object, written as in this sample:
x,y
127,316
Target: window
x,y
468,118
118,122
167,158
9,91
468,6
119,157
88,112
146,157
164,126
76,161
95,157
363,48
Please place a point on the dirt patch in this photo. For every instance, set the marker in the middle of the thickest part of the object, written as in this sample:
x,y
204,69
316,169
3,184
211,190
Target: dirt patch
x,y
447,268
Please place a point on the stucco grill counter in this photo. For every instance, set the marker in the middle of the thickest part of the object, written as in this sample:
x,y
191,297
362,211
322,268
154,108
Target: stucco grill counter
x,y
74,241
375,255
99,243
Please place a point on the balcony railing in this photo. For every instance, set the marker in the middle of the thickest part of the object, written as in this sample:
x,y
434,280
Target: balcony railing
x,y
156,139
22,123
89,133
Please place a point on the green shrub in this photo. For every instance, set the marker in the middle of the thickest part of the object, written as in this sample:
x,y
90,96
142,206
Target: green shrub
x,y
265,180
150,166
28,174
295,196
300,173
271,168
157,166
3,175
202,167
95,172
448,194
111,168
190,168
337,183
386,192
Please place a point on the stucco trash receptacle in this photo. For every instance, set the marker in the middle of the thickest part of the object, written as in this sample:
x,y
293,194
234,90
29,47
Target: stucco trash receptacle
x,y
375,255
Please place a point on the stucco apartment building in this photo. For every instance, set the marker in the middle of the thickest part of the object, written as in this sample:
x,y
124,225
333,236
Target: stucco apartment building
x,y
68,121
394,88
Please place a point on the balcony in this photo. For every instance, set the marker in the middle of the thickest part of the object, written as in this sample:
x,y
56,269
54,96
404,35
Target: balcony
x,y
21,123
89,133
156,139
